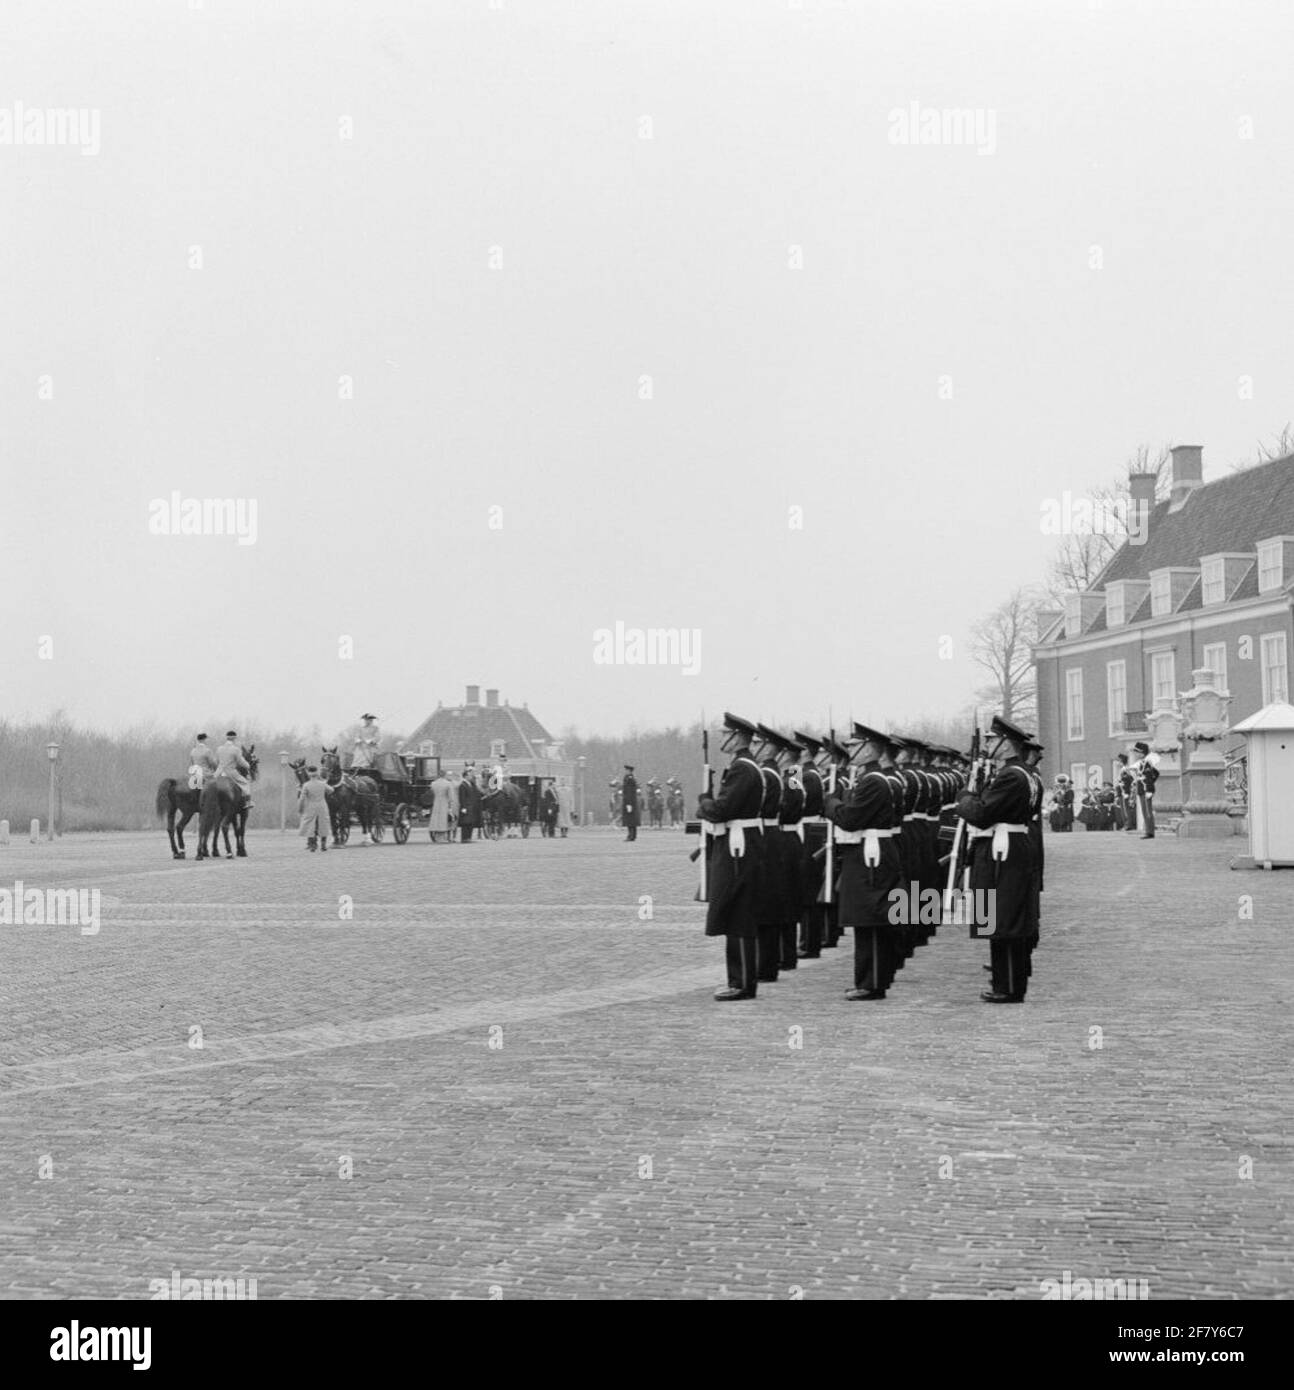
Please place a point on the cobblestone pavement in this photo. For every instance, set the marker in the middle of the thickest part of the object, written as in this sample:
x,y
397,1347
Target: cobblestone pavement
x,y
631,1138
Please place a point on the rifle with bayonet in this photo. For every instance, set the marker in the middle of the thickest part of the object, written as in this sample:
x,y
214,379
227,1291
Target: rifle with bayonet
x,y
698,826
959,858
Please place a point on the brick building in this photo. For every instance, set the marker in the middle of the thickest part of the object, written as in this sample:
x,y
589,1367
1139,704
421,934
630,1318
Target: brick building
x,y
1211,584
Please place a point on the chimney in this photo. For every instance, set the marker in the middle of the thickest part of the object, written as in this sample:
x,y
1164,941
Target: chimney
x,y
1188,472
473,694
492,699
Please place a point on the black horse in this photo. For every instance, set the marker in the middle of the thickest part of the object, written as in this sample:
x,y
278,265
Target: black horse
x,y
502,809
173,799
221,805
349,791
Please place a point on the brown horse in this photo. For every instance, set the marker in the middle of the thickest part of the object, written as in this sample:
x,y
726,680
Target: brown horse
x,y
173,798
221,805
349,791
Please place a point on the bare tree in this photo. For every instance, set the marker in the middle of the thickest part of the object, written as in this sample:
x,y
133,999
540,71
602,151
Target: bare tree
x,y
1081,556
1002,645
1282,446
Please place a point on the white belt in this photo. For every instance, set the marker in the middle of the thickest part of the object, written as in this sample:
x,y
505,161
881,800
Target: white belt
x,y
1002,833
736,832
796,829
869,839
948,806
813,820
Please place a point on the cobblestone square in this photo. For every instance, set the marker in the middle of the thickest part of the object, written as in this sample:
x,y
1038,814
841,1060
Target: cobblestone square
x,y
505,1076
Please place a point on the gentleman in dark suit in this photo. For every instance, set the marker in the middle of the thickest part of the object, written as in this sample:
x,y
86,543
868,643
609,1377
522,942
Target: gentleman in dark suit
x,y
469,804
733,839
629,813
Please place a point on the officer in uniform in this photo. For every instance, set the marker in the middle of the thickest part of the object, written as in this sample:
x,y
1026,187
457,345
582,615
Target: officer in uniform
x,y
1127,793
814,832
791,835
1002,861
1145,775
838,779
774,903
231,764
733,839
629,816
870,867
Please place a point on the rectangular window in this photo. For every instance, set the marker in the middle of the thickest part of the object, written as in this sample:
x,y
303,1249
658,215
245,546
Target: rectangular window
x,y
1116,690
1269,566
1161,595
1163,677
1215,658
1074,702
1078,776
1275,674
1114,606
1213,584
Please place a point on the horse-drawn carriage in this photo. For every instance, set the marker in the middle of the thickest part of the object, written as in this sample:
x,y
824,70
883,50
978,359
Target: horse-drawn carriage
x,y
403,796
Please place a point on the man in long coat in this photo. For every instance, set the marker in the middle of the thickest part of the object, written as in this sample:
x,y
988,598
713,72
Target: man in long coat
x,y
440,822
231,765
312,802
629,809
565,805
733,837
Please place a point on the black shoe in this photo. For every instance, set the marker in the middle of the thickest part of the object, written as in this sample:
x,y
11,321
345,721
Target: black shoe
x,y
993,996
802,954
855,995
767,979
725,995
788,965
1147,837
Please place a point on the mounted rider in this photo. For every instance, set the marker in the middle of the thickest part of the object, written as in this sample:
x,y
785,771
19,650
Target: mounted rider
x,y
231,764
202,763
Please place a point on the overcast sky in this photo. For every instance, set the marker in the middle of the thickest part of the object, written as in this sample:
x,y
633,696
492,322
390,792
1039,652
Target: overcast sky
x,y
944,351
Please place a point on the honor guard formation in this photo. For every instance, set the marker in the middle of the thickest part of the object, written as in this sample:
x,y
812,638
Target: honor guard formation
x,y
889,836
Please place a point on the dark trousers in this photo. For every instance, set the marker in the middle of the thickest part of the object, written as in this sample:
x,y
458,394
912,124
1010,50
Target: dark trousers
x,y
1012,965
831,924
811,924
874,958
742,963
789,958
633,833
1129,813
465,833
769,952
1147,808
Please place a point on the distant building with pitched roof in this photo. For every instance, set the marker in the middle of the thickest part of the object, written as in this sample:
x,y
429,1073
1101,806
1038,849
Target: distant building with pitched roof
x,y
487,733
1211,584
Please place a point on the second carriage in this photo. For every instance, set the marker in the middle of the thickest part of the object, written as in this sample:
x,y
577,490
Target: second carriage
x,y
405,795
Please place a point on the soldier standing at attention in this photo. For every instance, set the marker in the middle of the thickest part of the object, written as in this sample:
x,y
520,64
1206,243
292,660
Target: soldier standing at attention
x,y
812,867
1002,862
629,803
1127,793
772,904
870,870
733,839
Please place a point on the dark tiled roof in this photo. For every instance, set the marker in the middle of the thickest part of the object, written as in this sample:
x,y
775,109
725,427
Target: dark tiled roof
x,y
1230,514
1097,624
1142,611
466,731
1192,599
1247,588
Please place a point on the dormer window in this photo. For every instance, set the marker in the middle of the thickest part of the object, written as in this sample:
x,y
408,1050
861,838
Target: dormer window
x,y
1161,594
1213,586
1115,611
1270,569
1073,614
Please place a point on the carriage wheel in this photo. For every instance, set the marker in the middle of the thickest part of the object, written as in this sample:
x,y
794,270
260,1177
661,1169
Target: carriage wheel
x,y
400,824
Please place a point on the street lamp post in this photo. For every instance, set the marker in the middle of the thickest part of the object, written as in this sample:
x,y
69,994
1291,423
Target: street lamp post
x,y
51,750
283,792
581,766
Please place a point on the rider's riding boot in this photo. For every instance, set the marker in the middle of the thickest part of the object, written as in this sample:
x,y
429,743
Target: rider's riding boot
x,y
323,844
310,843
